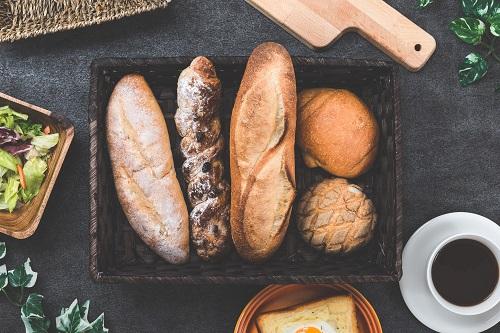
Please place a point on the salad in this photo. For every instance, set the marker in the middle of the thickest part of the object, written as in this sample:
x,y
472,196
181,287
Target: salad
x,y
25,148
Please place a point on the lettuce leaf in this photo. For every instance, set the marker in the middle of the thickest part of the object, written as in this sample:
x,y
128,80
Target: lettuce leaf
x,y
8,117
34,173
7,110
45,142
8,161
3,171
28,130
10,196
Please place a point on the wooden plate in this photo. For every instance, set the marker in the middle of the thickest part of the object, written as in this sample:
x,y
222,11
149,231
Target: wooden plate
x,y
23,222
276,297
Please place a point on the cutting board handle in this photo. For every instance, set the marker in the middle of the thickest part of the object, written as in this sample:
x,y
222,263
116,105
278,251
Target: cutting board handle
x,y
389,30
318,23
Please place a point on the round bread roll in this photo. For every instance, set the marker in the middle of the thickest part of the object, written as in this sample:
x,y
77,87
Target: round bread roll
x,y
336,217
336,131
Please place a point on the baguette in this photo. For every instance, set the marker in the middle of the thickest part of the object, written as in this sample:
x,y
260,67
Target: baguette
x,y
262,157
143,170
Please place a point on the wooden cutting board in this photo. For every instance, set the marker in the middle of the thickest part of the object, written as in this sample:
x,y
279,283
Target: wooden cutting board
x,y
319,23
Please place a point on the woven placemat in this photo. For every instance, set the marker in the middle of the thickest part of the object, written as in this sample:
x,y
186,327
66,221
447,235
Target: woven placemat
x,y
28,18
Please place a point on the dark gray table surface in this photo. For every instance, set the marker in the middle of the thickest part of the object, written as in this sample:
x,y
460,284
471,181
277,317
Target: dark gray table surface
x,y
451,161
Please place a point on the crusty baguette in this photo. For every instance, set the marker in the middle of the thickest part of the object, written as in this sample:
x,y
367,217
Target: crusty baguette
x,y
143,169
335,314
262,153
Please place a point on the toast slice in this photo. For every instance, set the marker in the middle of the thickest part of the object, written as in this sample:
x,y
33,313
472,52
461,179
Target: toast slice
x,y
335,314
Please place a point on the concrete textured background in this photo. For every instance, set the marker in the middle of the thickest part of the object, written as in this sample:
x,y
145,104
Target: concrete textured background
x,y
450,140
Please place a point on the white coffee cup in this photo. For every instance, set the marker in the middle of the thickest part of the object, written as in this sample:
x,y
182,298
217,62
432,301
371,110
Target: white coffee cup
x,y
482,307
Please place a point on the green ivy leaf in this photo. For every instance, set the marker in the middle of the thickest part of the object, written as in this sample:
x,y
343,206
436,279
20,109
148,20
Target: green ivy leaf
x,y
480,8
36,325
84,310
3,250
97,326
472,69
469,30
23,276
4,277
32,315
70,320
495,24
424,3
33,306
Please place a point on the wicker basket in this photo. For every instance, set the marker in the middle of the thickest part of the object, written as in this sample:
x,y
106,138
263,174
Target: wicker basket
x,y
28,18
117,254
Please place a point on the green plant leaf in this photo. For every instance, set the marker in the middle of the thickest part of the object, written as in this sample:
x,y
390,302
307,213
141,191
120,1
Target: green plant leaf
x,y
3,250
4,277
23,276
34,174
97,326
8,160
33,306
45,141
424,3
84,310
36,325
495,24
70,320
469,30
472,69
480,8
32,315
11,195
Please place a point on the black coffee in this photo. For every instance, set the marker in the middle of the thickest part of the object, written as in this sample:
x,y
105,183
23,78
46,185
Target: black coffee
x,y
465,272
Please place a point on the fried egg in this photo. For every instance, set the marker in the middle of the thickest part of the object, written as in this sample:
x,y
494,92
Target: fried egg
x,y
311,327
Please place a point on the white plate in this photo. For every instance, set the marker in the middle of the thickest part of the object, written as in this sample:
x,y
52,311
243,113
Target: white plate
x,y
413,284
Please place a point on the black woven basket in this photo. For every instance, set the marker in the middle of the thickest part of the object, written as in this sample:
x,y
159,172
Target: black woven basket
x,y
117,254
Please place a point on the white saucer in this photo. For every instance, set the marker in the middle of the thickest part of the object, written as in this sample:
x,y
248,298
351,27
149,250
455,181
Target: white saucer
x,y
413,284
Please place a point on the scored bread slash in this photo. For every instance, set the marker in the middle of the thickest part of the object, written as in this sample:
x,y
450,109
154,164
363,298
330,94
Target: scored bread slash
x,y
262,160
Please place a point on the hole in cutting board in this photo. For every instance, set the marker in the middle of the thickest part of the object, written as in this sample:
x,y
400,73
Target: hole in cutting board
x,y
418,47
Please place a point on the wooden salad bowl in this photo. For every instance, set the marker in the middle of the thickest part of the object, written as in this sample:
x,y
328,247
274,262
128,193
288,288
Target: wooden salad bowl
x,y
23,222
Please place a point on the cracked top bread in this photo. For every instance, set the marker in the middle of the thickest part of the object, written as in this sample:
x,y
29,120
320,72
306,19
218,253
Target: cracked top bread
x,y
143,169
262,161
335,216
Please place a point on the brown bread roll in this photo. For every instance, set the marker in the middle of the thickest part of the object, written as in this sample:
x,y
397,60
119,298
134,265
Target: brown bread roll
x,y
198,123
336,131
143,170
262,153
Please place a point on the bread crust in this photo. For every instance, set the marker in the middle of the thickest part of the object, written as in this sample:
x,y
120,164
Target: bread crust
x,y
143,169
261,319
198,123
262,153
336,131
